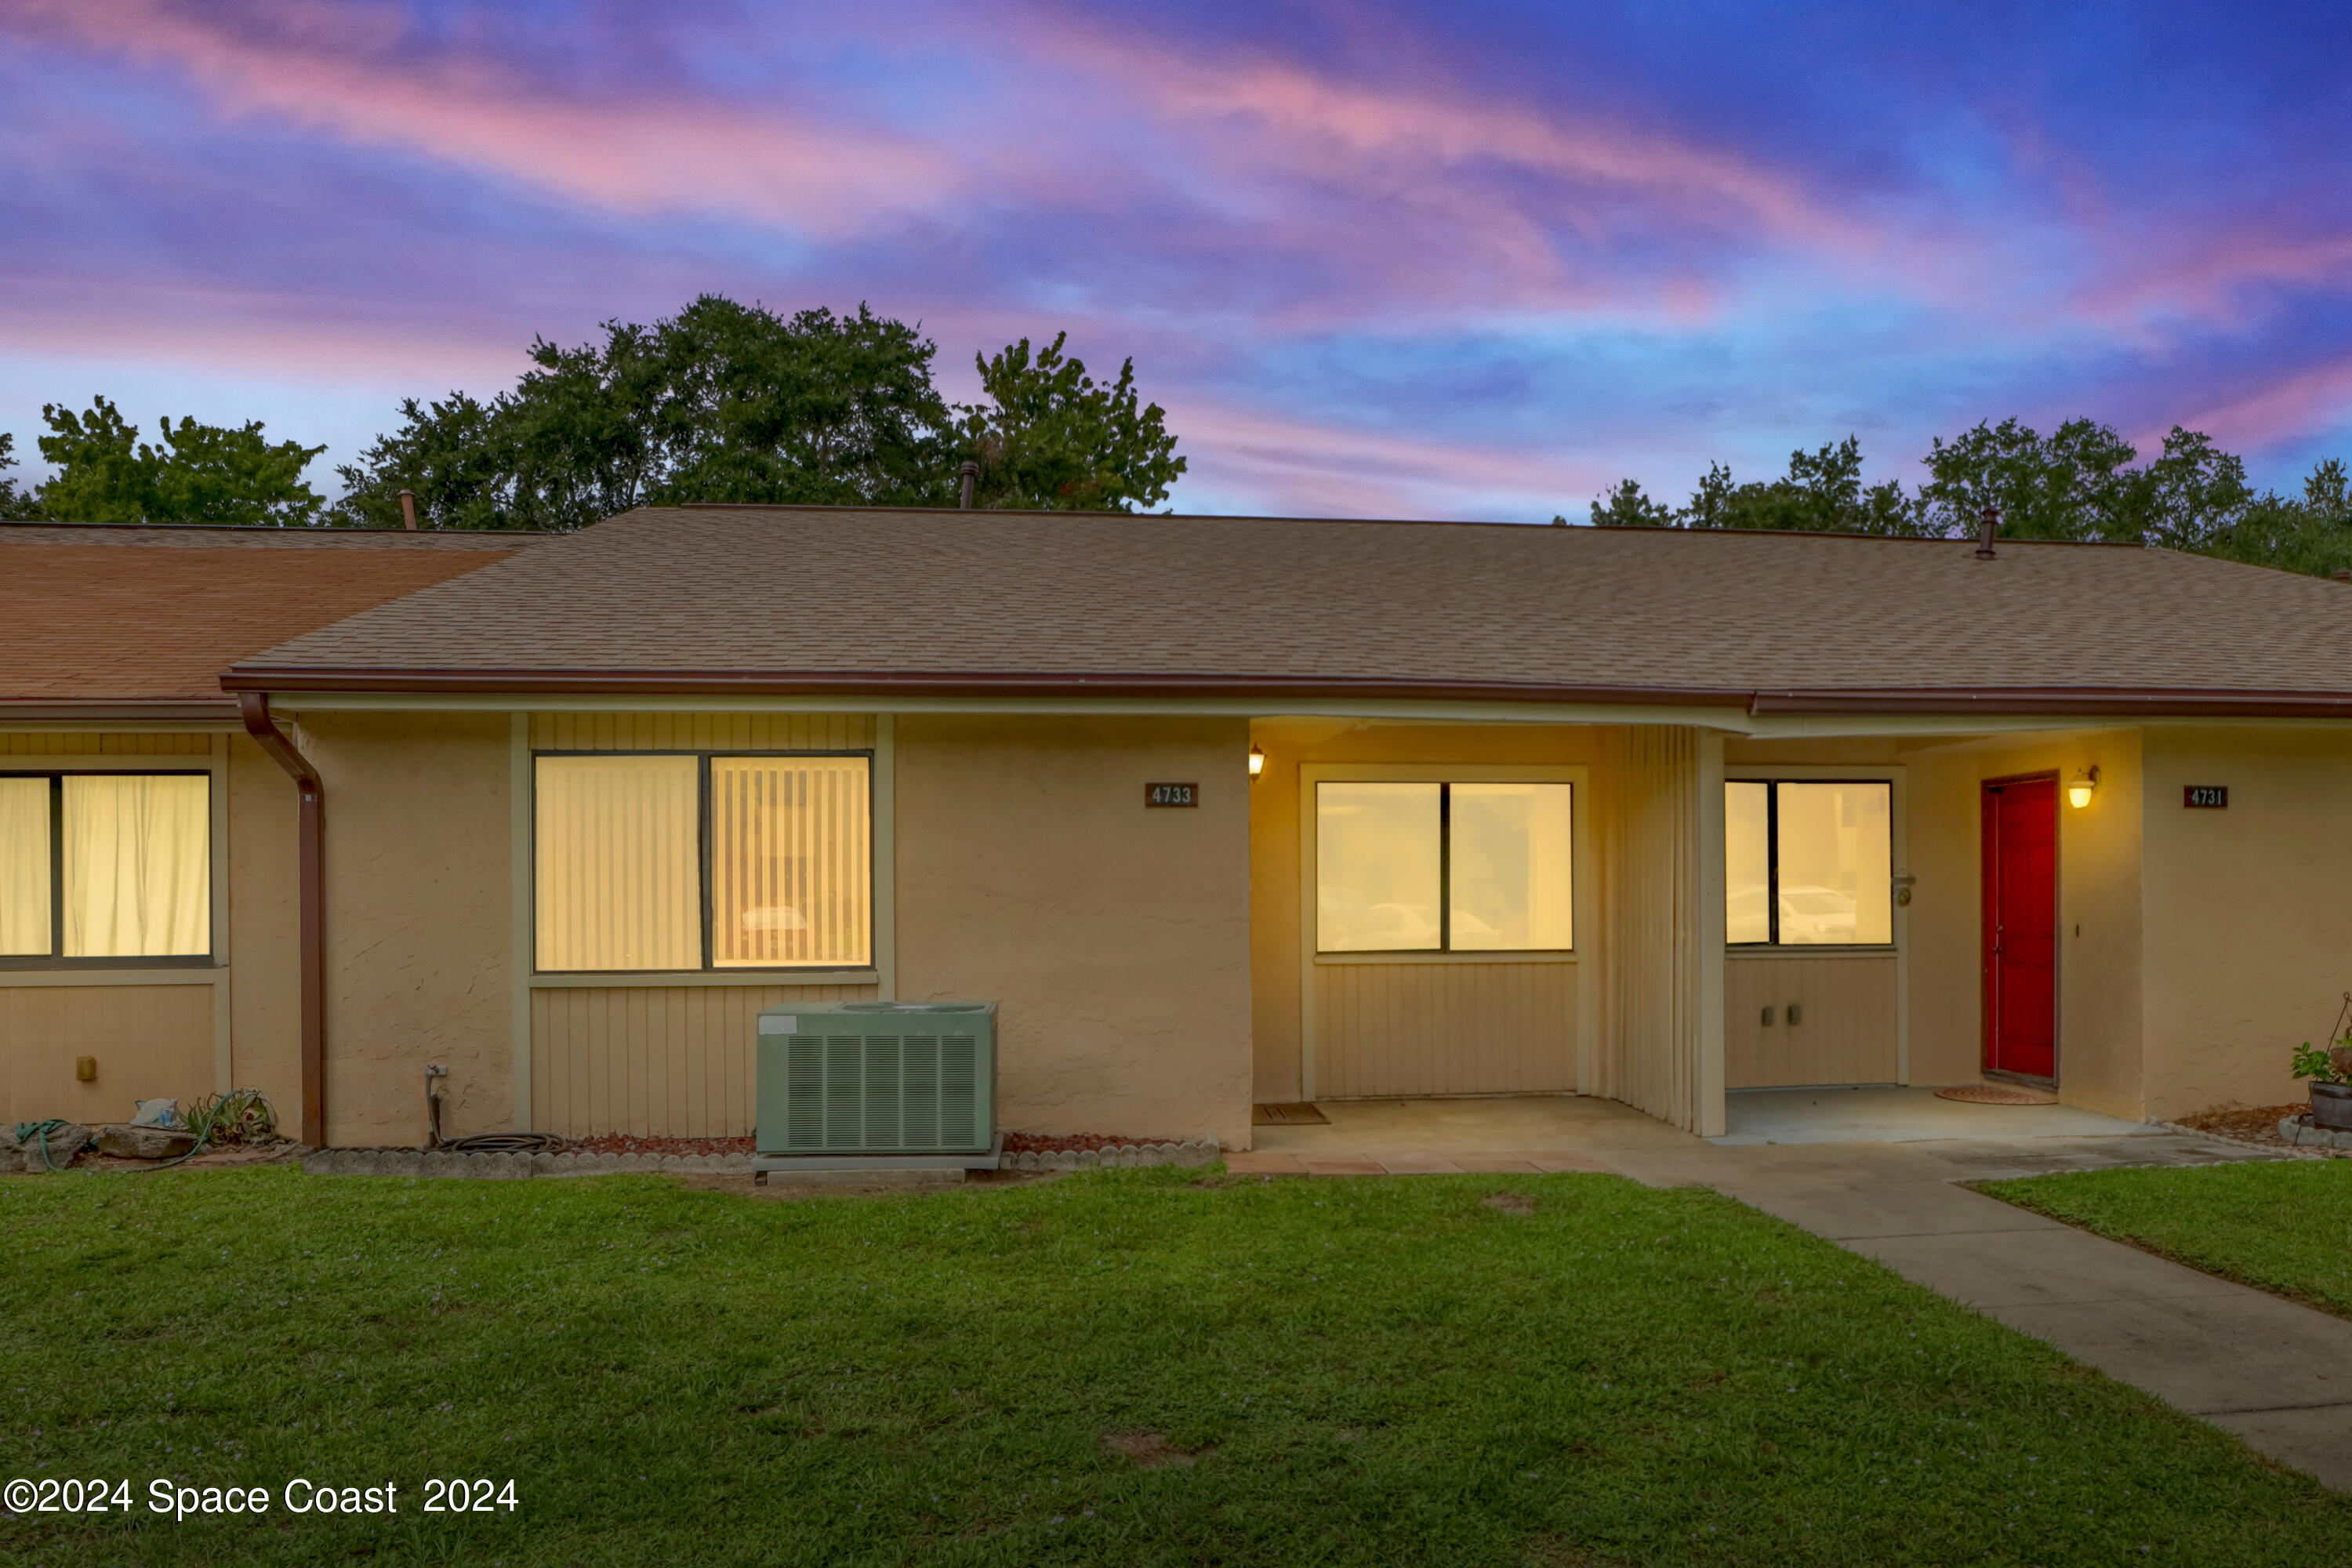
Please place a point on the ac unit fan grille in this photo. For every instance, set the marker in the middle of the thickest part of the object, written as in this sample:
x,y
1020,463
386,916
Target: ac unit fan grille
x,y
881,1091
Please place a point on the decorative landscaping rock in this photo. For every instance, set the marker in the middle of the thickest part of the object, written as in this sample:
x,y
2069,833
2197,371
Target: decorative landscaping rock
x,y
2301,1132
130,1141
64,1144
513,1166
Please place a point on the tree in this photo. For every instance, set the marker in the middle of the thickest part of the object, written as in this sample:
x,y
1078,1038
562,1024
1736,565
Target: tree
x,y
734,403
195,474
16,505
1821,493
1049,437
721,402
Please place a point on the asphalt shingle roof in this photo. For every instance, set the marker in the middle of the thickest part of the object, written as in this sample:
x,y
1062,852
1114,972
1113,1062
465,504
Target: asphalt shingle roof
x,y
717,595
109,614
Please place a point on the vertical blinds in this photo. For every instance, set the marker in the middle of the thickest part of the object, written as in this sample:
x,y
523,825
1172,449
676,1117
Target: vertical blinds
x,y
791,865
620,868
618,857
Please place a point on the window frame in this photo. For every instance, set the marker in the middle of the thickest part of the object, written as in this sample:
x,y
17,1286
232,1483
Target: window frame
x,y
1772,782
1313,776
704,846
55,959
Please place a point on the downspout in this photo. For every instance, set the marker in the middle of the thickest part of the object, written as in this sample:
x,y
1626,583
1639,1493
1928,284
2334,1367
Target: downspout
x,y
309,831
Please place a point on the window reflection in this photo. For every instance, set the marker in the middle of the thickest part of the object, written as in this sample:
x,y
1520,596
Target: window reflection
x,y
1376,873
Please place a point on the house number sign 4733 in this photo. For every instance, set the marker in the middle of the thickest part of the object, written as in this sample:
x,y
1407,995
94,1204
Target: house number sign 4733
x,y
1171,794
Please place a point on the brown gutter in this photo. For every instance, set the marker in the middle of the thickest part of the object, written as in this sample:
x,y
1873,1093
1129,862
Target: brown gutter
x,y
99,711
947,683
310,830
2173,702
2056,700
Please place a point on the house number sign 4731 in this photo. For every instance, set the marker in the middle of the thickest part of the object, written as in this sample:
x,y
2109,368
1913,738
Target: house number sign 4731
x,y
1171,794
2207,797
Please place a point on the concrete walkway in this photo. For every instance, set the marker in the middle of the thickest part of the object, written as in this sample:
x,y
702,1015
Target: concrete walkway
x,y
2278,1375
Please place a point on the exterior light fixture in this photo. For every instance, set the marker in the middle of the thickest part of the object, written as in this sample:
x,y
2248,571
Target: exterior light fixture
x,y
2083,785
1258,763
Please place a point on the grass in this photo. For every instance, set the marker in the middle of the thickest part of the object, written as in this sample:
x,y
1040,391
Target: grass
x,y
2283,1225
1395,1370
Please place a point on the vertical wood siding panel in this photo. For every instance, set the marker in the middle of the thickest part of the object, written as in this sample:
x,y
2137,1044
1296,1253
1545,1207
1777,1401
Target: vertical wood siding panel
x,y
1387,1030
1848,1035
653,1061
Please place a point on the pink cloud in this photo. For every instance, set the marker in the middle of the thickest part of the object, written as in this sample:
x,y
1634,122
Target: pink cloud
x,y
332,69
1298,468
2305,403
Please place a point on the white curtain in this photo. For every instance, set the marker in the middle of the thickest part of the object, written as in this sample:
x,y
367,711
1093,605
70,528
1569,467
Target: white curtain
x,y
138,854
25,867
791,861
617,871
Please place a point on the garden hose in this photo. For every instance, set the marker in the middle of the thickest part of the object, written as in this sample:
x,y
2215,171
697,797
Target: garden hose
x,y
503,1144
39,1132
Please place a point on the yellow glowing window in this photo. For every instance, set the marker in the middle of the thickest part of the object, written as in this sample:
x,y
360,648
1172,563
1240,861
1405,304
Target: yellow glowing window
x,y
1807,864
1427,868
689,861
105,866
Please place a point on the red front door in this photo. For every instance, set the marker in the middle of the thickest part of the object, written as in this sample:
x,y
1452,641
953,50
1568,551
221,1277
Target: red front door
x,y
2021,929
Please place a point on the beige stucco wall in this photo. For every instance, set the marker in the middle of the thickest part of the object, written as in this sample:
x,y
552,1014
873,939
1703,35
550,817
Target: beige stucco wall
x,y
2099,911
1274,911
2249,930
265,931
417,921
1115,938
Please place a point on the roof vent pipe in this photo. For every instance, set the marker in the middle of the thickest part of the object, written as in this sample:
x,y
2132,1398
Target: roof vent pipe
x,y
970,475
408,510
1986,530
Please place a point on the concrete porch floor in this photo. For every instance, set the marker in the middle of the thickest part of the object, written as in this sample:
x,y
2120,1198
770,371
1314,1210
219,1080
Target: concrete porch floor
x,y
1880,1172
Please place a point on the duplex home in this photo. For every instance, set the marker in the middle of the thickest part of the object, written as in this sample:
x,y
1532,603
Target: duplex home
x,y
1225,810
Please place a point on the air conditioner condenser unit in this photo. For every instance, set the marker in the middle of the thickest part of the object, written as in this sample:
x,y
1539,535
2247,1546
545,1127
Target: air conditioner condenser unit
x,y
897,1085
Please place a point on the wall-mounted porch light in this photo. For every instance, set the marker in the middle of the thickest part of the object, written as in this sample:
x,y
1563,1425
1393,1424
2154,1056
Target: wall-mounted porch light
x,y
2083,787
1258,763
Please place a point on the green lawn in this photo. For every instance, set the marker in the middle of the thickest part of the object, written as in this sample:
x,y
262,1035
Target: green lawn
x,y
1367,1371
2283,1225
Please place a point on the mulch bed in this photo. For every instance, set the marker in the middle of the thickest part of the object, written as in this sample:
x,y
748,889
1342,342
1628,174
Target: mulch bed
x,y
2245,1123
622,1144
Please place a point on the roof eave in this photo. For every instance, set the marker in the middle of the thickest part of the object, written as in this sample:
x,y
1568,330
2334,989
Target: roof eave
x,y
2074,701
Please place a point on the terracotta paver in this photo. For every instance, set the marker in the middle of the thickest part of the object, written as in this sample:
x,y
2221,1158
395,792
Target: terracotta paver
x,y
1265,1162
1344,1168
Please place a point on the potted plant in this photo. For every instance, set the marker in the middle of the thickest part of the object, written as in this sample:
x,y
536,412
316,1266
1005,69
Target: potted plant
x,y
2330,1073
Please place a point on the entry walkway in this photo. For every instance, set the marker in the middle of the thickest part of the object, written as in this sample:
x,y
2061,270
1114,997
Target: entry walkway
x,y
2278,1375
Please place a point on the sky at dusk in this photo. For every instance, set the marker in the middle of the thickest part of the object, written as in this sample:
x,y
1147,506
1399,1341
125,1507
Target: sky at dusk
x,y
1475,260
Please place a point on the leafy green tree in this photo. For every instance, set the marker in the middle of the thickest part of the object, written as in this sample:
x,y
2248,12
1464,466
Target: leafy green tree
x,y
2071,484
195,474
1822,492
721,402
2310,533
1050,437
734,403
1630,506
16,505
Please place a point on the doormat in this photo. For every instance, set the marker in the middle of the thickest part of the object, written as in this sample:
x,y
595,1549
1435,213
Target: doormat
x,y
1300,1115
1996,1094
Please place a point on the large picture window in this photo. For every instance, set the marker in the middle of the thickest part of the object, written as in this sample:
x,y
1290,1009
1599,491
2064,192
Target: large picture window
x,y
104,867
1442,868
1808,864
698,861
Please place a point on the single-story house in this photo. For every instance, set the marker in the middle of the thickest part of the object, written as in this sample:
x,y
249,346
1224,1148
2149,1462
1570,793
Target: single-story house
x,y
150,910
1234,810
